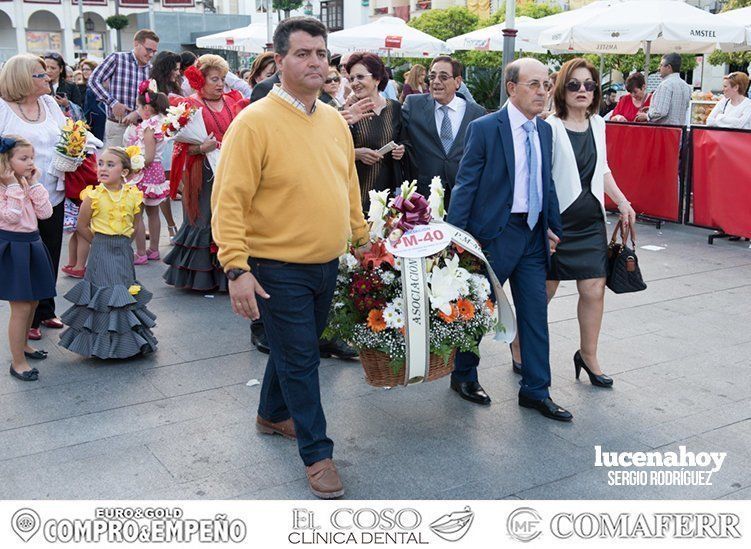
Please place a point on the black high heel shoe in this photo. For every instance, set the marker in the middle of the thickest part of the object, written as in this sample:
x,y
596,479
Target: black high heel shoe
x,y
598,380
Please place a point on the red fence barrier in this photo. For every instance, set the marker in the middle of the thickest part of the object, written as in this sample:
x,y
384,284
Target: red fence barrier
x,y
645,161
721,180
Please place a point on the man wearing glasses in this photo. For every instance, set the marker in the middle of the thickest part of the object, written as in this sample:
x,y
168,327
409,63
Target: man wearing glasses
x,y
671,98
435,126
115,83
504,196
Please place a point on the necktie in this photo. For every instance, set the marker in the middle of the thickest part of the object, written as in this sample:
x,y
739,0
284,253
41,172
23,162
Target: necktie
x,y
447,134
533,213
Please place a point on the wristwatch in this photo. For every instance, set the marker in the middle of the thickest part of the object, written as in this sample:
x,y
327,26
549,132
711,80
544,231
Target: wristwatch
x,y
234,274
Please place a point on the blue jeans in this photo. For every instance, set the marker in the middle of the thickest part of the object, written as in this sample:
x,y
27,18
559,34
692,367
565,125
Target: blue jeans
x,y
519,255
294,318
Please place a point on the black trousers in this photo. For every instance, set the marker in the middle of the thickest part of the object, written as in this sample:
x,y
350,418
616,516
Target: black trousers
x,y
51,231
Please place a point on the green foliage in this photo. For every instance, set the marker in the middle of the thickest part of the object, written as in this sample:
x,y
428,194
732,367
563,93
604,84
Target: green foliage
x,y
485,86
117,22
528,9
445,23
286,5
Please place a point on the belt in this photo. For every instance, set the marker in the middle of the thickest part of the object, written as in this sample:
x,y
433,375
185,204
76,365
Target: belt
x,y
115,122
521,215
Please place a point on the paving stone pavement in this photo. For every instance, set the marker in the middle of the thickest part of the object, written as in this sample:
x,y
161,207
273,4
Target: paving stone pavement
x,y
179,424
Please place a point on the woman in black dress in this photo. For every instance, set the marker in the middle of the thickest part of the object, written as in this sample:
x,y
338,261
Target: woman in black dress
x,y
367,75
582,177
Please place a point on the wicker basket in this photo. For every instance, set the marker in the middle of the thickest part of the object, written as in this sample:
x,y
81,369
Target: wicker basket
x,y
379,374
65,163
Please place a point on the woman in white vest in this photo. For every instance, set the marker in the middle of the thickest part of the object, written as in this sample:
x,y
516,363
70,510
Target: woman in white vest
x,y
582,177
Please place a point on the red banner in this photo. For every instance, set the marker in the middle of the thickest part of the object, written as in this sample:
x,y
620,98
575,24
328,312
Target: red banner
x,y
645,164
178,3
134,3
90,2
722,180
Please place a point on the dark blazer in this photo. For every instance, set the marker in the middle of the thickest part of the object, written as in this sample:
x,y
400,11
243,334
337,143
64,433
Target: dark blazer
x,y
427,158
94,114
262,88
484,190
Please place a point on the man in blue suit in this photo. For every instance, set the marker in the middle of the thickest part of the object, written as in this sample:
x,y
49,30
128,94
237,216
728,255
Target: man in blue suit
x,y
504,196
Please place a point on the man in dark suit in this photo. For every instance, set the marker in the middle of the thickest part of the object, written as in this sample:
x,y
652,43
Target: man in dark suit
x,y
435,125
504,196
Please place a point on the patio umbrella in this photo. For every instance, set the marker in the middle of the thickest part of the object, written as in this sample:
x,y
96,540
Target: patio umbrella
x,y
742,16
250,39
529,30
660,26
387,36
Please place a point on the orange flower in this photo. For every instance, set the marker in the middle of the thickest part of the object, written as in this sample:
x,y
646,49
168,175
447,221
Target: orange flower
x,y
466,309
490,305
449,318
376,321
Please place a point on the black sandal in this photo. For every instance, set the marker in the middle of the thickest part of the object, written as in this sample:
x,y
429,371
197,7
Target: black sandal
x,y
36,355
28,375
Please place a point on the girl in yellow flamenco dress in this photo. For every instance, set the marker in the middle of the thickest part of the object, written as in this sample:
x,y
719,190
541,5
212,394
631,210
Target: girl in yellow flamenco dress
x,y
109,318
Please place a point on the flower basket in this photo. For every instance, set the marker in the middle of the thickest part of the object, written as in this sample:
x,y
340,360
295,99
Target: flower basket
x,y
421,291
66,163
380,373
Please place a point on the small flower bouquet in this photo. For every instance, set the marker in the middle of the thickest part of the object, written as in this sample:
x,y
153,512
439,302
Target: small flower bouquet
x,y
70,150
185,124
370,310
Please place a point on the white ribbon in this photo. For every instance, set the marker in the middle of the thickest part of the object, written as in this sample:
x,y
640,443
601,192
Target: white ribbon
x,y
416,302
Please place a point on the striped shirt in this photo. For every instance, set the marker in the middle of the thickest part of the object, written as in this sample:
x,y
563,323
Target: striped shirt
x,y
294,101
124,73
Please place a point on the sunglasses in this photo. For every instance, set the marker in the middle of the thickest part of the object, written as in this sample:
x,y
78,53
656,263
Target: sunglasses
x,y
442,76
359,77
330,80
39,75
574,85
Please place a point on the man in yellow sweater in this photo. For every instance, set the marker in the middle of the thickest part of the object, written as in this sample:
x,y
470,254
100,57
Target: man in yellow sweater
x,y
286,201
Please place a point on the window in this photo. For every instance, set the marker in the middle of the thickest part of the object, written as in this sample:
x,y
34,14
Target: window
x,y
332,14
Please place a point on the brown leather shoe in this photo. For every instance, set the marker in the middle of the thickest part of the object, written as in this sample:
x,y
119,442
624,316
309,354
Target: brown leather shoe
x,y
285,428
324,480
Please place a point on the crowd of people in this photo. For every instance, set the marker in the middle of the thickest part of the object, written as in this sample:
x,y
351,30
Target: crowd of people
x,y
528,182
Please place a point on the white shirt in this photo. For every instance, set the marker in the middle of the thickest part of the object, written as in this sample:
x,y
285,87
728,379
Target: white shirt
x,y
727,115
457,108
521,179
234,82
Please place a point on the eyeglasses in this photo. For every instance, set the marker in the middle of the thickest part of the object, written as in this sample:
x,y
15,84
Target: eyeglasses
x,y
150,51
442,76
330,80
359,77
535,85
574,85
39,75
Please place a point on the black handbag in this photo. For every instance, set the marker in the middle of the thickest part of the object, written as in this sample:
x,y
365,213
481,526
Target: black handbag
x,y
624,275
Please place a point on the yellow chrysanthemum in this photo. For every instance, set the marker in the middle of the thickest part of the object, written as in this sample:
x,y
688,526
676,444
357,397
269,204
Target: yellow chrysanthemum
x,y
133,150
134,289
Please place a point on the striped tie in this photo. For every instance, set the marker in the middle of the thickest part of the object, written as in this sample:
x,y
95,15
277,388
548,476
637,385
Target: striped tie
x,y
533,213
447,134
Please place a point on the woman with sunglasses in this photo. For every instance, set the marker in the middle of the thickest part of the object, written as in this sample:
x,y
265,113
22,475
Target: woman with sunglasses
x,y
330,88
582,178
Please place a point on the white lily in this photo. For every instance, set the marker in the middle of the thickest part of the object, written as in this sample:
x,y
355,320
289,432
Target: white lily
x,y
437,210
377,212
447,284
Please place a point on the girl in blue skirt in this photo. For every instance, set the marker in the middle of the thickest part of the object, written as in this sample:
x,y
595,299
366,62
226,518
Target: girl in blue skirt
x,y
26,273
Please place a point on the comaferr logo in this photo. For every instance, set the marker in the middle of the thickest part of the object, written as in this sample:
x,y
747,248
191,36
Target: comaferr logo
x,y
703,33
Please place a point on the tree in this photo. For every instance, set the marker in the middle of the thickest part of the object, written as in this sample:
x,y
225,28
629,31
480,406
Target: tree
x,y
445,23
286,6
529,9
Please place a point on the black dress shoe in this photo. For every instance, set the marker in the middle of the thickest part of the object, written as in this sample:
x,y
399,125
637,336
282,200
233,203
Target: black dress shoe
x,y
36,355
471,391
28,375
260,343
546,407
516,366
336,348
600,380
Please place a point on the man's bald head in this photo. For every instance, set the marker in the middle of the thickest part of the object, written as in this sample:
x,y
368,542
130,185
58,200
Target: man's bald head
x,y
525,79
